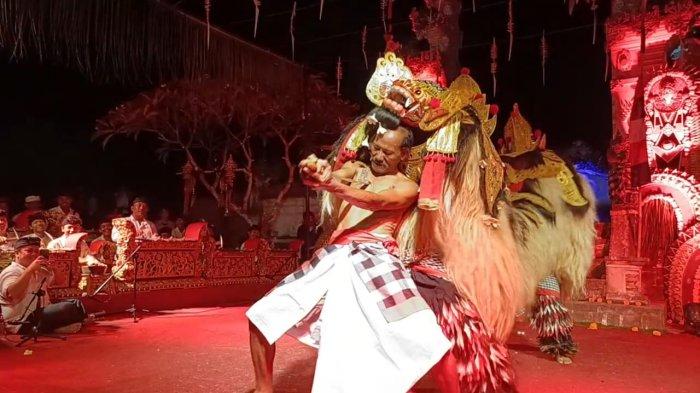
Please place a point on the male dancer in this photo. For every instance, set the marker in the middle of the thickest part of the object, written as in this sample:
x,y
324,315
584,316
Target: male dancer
x,y
353,300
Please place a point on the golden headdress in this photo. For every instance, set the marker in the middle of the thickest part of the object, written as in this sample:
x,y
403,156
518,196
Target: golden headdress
x,y
518,137
518,140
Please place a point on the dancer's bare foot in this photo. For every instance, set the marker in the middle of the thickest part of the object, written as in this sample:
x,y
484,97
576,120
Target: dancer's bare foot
x,y
564,360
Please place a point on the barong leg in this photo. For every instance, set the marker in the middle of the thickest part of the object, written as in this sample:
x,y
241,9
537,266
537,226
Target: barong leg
x,y
553,322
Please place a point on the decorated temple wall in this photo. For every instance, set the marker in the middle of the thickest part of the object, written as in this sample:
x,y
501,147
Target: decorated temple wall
x,y
654,156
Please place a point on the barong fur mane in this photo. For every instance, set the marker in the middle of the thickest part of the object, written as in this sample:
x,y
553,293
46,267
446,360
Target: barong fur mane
x,y
478,250
562,247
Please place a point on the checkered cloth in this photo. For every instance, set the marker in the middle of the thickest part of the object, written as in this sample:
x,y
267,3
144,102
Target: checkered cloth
x,y
387,281
549,286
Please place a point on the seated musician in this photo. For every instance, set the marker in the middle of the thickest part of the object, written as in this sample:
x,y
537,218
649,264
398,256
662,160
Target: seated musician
x,y
145,229
33,206
102,247
254,241
7,234
73,239
39,224
7,240
105,230
20,280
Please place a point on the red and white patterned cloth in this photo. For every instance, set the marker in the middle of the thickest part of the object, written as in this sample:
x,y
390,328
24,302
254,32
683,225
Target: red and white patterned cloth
x,y
358,305
387,281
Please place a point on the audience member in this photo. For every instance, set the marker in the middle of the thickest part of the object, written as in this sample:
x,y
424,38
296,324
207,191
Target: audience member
x,y
145,230
164,220
254,241
32,204
179,231
92,216
17,284
165,233
5,204
39,225
121,198
57,214
308,232
296,246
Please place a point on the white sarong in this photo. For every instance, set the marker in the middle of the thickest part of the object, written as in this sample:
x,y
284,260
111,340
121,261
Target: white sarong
x,y
357,305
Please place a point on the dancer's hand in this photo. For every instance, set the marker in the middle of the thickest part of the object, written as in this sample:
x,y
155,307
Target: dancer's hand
x,y
315,172
308,164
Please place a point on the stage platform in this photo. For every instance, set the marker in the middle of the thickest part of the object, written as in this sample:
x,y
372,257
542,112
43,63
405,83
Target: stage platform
x,y
206,350
646,317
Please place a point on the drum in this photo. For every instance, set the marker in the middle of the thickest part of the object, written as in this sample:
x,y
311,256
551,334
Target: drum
x,y
196,231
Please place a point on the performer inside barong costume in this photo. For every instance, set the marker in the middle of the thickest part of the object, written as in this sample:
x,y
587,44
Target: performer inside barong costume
x,y
553,223
353,300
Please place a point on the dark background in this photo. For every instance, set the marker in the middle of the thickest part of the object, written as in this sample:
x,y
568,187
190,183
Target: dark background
x,y
47,114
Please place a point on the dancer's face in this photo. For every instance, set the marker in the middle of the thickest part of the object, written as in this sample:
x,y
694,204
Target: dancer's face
x,y
387,152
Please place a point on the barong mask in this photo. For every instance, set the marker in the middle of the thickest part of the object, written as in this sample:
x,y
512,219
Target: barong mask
x,y
443,113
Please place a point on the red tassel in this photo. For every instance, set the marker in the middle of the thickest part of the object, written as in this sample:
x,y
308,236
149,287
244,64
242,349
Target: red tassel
x,y
432,180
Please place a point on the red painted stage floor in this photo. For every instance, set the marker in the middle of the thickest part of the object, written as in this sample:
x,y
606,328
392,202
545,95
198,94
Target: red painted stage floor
x,y
206,350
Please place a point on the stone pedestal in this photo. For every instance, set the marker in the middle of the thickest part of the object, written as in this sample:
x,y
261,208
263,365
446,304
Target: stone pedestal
x,y
624,281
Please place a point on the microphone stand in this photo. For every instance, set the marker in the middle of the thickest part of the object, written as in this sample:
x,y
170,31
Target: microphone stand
x,y
35,331
111,276
133,309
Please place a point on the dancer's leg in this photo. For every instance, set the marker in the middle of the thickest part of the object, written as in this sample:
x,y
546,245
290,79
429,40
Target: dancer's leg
x,y
263,354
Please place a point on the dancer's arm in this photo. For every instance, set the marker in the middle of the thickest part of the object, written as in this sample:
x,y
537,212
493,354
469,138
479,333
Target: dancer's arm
x,y
399,196
313,169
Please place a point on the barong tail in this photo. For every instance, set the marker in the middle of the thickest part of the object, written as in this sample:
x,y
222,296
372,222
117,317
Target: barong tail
x,y
483,363
361,303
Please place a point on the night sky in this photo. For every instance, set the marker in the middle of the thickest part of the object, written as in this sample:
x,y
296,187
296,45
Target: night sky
x,y
47,114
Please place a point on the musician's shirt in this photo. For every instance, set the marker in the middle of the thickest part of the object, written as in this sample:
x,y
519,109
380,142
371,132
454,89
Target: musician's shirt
x,y
145,230
12,309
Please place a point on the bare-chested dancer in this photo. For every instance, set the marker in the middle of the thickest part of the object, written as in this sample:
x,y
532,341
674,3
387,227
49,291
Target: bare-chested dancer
x,y
353,300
